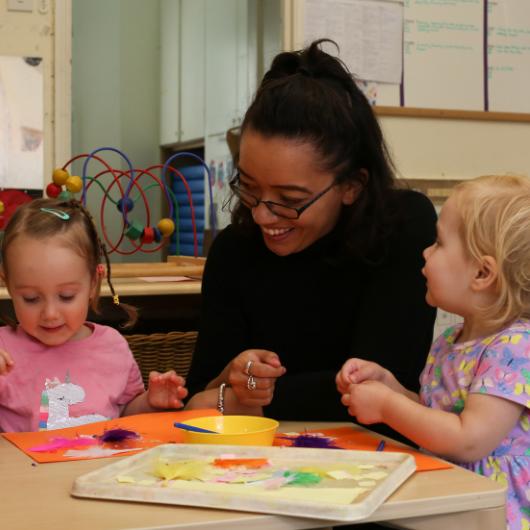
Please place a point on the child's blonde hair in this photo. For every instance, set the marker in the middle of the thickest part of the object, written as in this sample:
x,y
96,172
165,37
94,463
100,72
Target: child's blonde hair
x,y
495,213
70,223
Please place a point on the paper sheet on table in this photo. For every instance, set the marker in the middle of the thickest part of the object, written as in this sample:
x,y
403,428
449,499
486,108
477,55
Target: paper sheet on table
x,y
155,279
351,438
154,429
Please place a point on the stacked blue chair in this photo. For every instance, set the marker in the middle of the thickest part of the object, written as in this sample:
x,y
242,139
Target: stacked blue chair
x,y
194,175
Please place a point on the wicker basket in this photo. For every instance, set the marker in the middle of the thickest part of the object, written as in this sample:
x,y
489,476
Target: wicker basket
x,y
163,351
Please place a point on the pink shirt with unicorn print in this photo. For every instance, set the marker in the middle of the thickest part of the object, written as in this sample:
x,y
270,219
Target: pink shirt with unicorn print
x,y
51,387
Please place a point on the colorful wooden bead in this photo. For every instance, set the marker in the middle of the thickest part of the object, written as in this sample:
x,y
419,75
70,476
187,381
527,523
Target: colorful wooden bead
x,y
74,184
134,230
53,190
60,176
65,195
166,226
158,234
128,203
149,235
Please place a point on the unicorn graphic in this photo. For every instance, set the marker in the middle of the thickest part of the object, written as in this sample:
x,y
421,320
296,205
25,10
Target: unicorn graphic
x,y
55,402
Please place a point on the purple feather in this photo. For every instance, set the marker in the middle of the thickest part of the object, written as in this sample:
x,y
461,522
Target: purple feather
x,y
310,440
118,435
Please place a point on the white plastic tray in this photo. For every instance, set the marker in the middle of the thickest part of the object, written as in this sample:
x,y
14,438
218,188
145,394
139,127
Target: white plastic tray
x,y
103,483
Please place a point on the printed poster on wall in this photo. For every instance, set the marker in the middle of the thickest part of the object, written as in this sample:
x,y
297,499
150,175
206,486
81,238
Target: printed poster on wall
x,y
443,54
21,122
368,32
217,156
509,55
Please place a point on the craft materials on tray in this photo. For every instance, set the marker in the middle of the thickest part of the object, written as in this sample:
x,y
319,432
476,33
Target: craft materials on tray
x,y
317,483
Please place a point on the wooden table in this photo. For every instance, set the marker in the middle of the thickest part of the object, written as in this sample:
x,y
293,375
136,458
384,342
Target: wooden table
x,y
38,496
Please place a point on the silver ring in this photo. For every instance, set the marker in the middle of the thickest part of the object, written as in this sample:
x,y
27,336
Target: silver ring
x,y
251,382
248,367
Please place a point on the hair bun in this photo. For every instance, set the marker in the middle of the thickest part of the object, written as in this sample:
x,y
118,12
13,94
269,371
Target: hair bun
x,y
283,65
304,70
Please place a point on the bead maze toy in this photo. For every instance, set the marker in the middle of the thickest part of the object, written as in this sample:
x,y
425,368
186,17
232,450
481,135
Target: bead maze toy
x,y
128,195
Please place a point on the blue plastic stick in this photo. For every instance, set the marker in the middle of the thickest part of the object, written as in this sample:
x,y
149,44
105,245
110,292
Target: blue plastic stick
x,y
187,427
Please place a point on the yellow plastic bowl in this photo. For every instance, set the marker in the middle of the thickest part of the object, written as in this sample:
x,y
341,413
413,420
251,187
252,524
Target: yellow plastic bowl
x,y
233,430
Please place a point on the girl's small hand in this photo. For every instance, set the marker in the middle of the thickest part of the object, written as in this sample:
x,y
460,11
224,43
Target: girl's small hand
x,y
6,363
366,401
166,391
265,368
356,371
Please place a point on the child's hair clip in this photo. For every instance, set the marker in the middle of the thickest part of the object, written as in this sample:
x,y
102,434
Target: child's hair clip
x,y
116,299
58,213
100,270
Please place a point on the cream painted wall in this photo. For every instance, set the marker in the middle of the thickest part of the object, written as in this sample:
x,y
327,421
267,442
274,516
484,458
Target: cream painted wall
x,y
456,149
116,95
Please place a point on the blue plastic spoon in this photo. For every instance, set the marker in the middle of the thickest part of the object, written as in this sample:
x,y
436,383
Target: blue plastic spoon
x,y
192,428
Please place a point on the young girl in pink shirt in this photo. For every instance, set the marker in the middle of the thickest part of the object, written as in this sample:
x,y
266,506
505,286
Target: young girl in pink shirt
x,y
56,369
474,402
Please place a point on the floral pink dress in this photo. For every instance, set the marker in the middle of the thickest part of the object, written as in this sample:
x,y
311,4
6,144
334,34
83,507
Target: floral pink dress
x,y
498,365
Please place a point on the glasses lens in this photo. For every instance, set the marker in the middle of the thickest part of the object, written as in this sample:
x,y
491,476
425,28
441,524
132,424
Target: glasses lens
x,y
246,198
250,201
282,211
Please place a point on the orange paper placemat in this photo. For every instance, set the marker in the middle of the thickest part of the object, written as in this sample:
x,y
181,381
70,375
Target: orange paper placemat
x,y
154,429
351,438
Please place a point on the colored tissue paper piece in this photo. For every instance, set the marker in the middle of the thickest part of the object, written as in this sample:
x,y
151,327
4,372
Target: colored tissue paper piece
x,y
152,429
340,475
352,438
64,443
96,452
301,478
250,463
191,470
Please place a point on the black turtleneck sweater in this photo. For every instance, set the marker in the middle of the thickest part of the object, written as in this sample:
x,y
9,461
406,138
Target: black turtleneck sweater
x,y
315,312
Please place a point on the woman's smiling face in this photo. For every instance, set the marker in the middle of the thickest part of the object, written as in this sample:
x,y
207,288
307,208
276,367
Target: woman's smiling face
x,y
289,172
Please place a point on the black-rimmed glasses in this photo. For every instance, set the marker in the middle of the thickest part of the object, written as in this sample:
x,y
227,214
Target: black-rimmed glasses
x,y
281,210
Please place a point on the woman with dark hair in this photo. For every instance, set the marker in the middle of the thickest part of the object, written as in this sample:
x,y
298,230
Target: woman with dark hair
x,y
323,258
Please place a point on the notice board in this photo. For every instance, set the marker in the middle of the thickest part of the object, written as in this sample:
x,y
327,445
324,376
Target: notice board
x,y
467,56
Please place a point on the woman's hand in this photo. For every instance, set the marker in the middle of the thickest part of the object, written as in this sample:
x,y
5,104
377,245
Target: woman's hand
x,y
208,399
6,363
252,376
